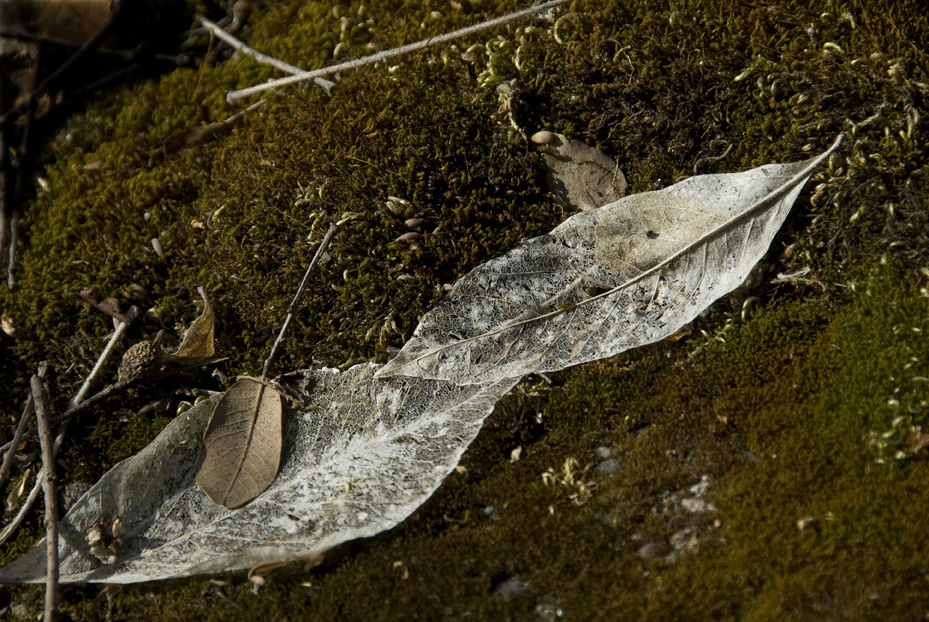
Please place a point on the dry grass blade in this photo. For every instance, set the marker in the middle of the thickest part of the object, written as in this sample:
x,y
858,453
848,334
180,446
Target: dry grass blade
x,y
242,444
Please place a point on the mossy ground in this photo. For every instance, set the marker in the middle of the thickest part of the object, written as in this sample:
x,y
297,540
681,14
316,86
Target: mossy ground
x,y
789,412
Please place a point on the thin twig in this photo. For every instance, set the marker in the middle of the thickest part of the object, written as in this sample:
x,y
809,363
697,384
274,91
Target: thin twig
x,y
225,37
296,301
120,387
7,182
25,158
51,496
131,314
17,439
404,49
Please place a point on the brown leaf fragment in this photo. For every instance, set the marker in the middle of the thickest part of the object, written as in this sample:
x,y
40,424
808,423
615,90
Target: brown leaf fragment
x,y
242,444
109,305
197,343
69,21
579,175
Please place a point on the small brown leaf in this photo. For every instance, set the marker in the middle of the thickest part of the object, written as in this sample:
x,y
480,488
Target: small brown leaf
x,y
242,444
579,175
12,500
198,340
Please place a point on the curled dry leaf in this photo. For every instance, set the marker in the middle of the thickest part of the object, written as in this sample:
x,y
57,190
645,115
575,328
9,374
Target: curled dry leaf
x,y
659,258
371,444
197,344
242,444
579,175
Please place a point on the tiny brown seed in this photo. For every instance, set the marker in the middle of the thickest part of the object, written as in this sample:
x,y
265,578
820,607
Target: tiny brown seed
x,y
542,138
417,223
412,236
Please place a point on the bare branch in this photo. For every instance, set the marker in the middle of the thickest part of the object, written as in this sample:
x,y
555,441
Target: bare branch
x,y
225,37
117,335
404,49
51,496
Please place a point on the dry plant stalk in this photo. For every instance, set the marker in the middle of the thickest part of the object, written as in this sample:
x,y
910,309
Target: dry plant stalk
x,y
51,496
234,96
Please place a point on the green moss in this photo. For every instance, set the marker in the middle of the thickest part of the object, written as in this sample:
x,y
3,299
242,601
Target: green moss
x,y
815,376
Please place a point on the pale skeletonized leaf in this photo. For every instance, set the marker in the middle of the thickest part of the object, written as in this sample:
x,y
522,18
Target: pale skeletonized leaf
x,y
579,175
370,447
242,444
358,459
604,281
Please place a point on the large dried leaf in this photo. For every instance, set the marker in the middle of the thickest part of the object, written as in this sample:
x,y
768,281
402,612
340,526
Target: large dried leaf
x,y
577,174
604,281
356,462
370,446
242,444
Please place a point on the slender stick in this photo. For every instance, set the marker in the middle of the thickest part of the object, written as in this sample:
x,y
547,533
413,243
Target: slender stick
x,y
24,164
51,497
296,301
13,446
404,49
7,182
131,314
225,37
17,439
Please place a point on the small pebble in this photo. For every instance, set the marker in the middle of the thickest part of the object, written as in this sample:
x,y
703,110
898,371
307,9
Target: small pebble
x,y
159,249
603,452
608,466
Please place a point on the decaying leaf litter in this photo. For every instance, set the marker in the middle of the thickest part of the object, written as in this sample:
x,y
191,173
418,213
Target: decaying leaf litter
x,y
374,442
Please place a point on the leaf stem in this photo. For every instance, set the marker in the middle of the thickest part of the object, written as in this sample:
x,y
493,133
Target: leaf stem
x,y
333,228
